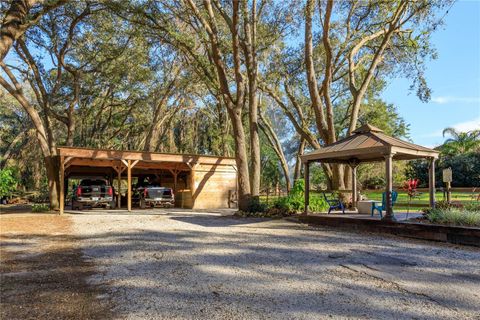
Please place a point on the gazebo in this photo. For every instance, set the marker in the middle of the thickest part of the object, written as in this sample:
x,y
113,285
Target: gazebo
x,y
370,144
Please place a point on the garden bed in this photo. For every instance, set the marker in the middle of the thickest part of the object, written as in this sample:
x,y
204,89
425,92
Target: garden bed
x,y
451,234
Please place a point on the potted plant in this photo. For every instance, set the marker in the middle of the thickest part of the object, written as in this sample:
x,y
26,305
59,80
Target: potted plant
x,y
411,187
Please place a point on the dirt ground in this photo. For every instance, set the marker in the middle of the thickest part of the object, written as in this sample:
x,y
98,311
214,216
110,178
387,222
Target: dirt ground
x,y
43,274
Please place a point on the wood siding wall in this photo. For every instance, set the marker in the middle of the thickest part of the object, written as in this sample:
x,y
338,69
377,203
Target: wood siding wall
x,y
212,186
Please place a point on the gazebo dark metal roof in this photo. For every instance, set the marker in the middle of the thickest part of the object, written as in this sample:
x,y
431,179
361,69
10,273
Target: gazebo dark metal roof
x,y
369,144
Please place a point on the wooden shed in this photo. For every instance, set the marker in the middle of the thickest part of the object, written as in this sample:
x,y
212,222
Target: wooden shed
x,y
198,181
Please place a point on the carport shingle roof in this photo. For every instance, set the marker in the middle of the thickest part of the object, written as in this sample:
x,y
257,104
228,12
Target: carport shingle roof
x,y
368,144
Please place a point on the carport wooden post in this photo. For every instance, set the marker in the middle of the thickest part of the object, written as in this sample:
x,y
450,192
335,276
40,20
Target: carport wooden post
x,y
307,187
388,192
192,167
129,164
174,173
119,184
62,184
129,187
431,181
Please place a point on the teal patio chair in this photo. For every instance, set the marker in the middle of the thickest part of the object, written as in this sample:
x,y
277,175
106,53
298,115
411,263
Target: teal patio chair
x,y
383,206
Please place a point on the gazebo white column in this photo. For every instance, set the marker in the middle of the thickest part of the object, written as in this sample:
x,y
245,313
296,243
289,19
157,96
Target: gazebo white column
x,y
431,181
353,165
307,186
388,191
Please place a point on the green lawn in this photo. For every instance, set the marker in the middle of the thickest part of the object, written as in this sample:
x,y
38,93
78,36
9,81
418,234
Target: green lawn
x,y
423,198
417,203
421,201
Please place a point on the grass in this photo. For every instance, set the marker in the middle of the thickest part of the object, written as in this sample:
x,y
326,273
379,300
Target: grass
x,y
454,216
416,205
423,198
40,207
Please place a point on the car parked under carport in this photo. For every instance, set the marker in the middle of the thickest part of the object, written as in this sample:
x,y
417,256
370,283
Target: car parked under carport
x,y
197,181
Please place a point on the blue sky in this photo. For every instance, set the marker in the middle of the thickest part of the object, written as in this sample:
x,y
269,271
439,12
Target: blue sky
x,y
454,78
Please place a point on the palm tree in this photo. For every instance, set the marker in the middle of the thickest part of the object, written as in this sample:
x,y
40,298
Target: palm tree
x,y
460,142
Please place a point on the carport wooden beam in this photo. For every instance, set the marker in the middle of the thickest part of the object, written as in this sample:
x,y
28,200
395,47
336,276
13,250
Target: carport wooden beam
x,y
100,154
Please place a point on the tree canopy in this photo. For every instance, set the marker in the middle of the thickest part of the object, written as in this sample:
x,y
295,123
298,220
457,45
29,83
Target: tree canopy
x,y
259,80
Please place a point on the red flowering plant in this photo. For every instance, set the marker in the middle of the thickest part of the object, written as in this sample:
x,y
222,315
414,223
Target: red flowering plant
x,y
411,187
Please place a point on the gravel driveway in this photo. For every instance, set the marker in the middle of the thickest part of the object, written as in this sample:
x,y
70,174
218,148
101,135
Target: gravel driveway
x,y
198,266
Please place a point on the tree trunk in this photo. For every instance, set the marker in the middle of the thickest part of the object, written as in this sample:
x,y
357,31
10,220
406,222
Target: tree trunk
x,y
14,25
311,76
347,177
298,164
250,30
338,182
277,147
254,139
19,18
51,164
44,136
37,176
244,195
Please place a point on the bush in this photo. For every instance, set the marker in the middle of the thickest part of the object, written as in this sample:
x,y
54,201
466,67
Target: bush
x,y
465,167
295,201
286,206
444,205
40,207
454,216
257,206
8,183
374,183
472,206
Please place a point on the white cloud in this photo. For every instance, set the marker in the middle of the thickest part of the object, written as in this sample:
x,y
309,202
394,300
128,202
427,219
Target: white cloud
x,y
465,126
468,125
452,99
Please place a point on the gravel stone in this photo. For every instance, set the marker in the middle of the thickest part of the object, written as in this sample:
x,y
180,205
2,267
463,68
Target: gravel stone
x,y
184,265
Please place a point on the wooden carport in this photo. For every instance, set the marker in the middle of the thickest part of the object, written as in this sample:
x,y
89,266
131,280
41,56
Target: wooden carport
x,y
201,168
370,144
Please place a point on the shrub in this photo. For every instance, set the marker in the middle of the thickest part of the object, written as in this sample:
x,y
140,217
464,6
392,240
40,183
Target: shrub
x,y
286,206
444,205
374,183
454,216
256,206
8,183
465,167
40,207
472,206
295,201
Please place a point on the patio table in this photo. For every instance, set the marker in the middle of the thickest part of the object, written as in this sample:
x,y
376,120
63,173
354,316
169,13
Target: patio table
x,y
365,206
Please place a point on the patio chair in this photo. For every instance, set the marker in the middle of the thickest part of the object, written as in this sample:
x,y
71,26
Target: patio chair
x,y
334,203
383,206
